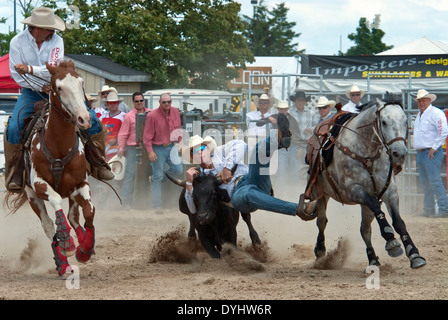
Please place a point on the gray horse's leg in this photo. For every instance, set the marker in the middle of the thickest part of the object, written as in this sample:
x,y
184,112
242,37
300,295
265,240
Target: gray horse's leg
x,y
321,208
366,233
360,195
412,252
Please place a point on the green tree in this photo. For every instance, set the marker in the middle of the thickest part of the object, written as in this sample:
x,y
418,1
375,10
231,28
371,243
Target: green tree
x,y
269,33
368,40
180,43
26,7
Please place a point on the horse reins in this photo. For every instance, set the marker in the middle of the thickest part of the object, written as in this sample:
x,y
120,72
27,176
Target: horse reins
x,y
368,162
56,166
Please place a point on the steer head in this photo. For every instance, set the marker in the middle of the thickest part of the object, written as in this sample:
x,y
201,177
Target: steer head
x,y
206,195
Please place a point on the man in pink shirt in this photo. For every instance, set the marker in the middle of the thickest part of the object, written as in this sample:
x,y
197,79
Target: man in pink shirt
x,y
127,145
162,131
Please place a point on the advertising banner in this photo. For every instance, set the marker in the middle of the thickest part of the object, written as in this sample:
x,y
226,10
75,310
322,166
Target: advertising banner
x,y
359,67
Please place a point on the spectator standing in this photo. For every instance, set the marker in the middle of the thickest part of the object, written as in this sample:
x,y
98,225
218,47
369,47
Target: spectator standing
x,y
353,105
263,103
105,90
112,120
127,146
430,132
307,119
162,132
324,106
288,167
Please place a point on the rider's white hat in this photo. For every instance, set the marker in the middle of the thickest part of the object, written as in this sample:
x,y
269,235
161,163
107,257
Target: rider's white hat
x,y
44,18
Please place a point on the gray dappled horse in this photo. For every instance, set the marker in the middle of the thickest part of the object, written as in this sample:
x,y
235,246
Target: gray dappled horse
x,y
369,147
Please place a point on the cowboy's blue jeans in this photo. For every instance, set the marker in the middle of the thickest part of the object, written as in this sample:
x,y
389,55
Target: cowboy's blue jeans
x,y
25,108
164,155
429,171
253,190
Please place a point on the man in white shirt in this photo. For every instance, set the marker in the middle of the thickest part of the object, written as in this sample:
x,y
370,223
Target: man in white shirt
x,y
252,191
354,94
264,103
430,132
29,51
214,160
324,106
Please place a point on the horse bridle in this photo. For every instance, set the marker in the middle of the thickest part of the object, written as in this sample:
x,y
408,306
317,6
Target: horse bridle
x,y
56,166
369,161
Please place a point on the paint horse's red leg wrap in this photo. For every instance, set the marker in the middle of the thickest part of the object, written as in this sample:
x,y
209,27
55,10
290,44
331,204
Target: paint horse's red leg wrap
x,y
86,241
66,243
61,260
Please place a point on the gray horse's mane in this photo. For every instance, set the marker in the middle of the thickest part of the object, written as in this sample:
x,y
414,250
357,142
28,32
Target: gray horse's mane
x,y
389,98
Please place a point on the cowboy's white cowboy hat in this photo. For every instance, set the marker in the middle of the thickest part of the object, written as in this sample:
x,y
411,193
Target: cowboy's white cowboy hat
x,y
117,165
264,96
44,18
104,88
282,104
112,97
354,89
196,140
422,93
323,101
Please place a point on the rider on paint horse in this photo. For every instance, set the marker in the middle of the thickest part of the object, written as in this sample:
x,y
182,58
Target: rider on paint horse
x,y
29,51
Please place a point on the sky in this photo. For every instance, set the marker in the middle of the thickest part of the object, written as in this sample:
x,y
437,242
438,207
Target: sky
x,y
325,24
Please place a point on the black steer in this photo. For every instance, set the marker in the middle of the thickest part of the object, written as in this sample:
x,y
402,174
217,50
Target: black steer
x,y
214,221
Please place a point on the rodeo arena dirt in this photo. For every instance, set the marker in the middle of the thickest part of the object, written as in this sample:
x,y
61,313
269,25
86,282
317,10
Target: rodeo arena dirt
x,y
144,255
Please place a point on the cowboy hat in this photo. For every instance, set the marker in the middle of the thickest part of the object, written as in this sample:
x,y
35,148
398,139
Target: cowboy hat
x,y
90,98
299,95
44,18
196,140
323,101
422,93
112,97
117,165
282,104
104,88
352,90
264,96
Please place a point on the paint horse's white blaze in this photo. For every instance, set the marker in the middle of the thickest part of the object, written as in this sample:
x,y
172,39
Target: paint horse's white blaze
x,y
71,93
377,135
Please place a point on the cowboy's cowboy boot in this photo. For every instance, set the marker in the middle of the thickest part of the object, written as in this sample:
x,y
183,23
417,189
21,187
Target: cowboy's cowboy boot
x,y
14,165
95,148
283,133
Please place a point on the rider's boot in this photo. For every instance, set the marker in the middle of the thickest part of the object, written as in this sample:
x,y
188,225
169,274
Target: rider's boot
x,y
96,156
14,166
283,133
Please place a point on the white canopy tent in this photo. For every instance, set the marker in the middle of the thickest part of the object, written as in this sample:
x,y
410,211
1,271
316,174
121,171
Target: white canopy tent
x,y
419,46
422,46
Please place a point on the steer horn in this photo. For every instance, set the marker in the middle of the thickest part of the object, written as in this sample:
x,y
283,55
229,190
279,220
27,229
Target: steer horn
x,y
179,182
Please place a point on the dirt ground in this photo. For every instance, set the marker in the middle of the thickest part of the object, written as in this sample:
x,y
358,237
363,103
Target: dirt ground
x,y
144,255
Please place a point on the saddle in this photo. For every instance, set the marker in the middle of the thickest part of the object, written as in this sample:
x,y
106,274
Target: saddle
x,y
35,124
320,154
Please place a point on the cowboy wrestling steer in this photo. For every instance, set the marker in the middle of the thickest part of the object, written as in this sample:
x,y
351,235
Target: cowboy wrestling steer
x,y
214,221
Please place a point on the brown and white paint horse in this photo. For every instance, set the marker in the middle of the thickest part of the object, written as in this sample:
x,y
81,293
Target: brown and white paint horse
x,y
58,169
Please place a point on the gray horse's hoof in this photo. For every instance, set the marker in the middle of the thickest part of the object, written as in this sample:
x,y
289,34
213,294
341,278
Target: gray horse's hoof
x,y
393,248
417,261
